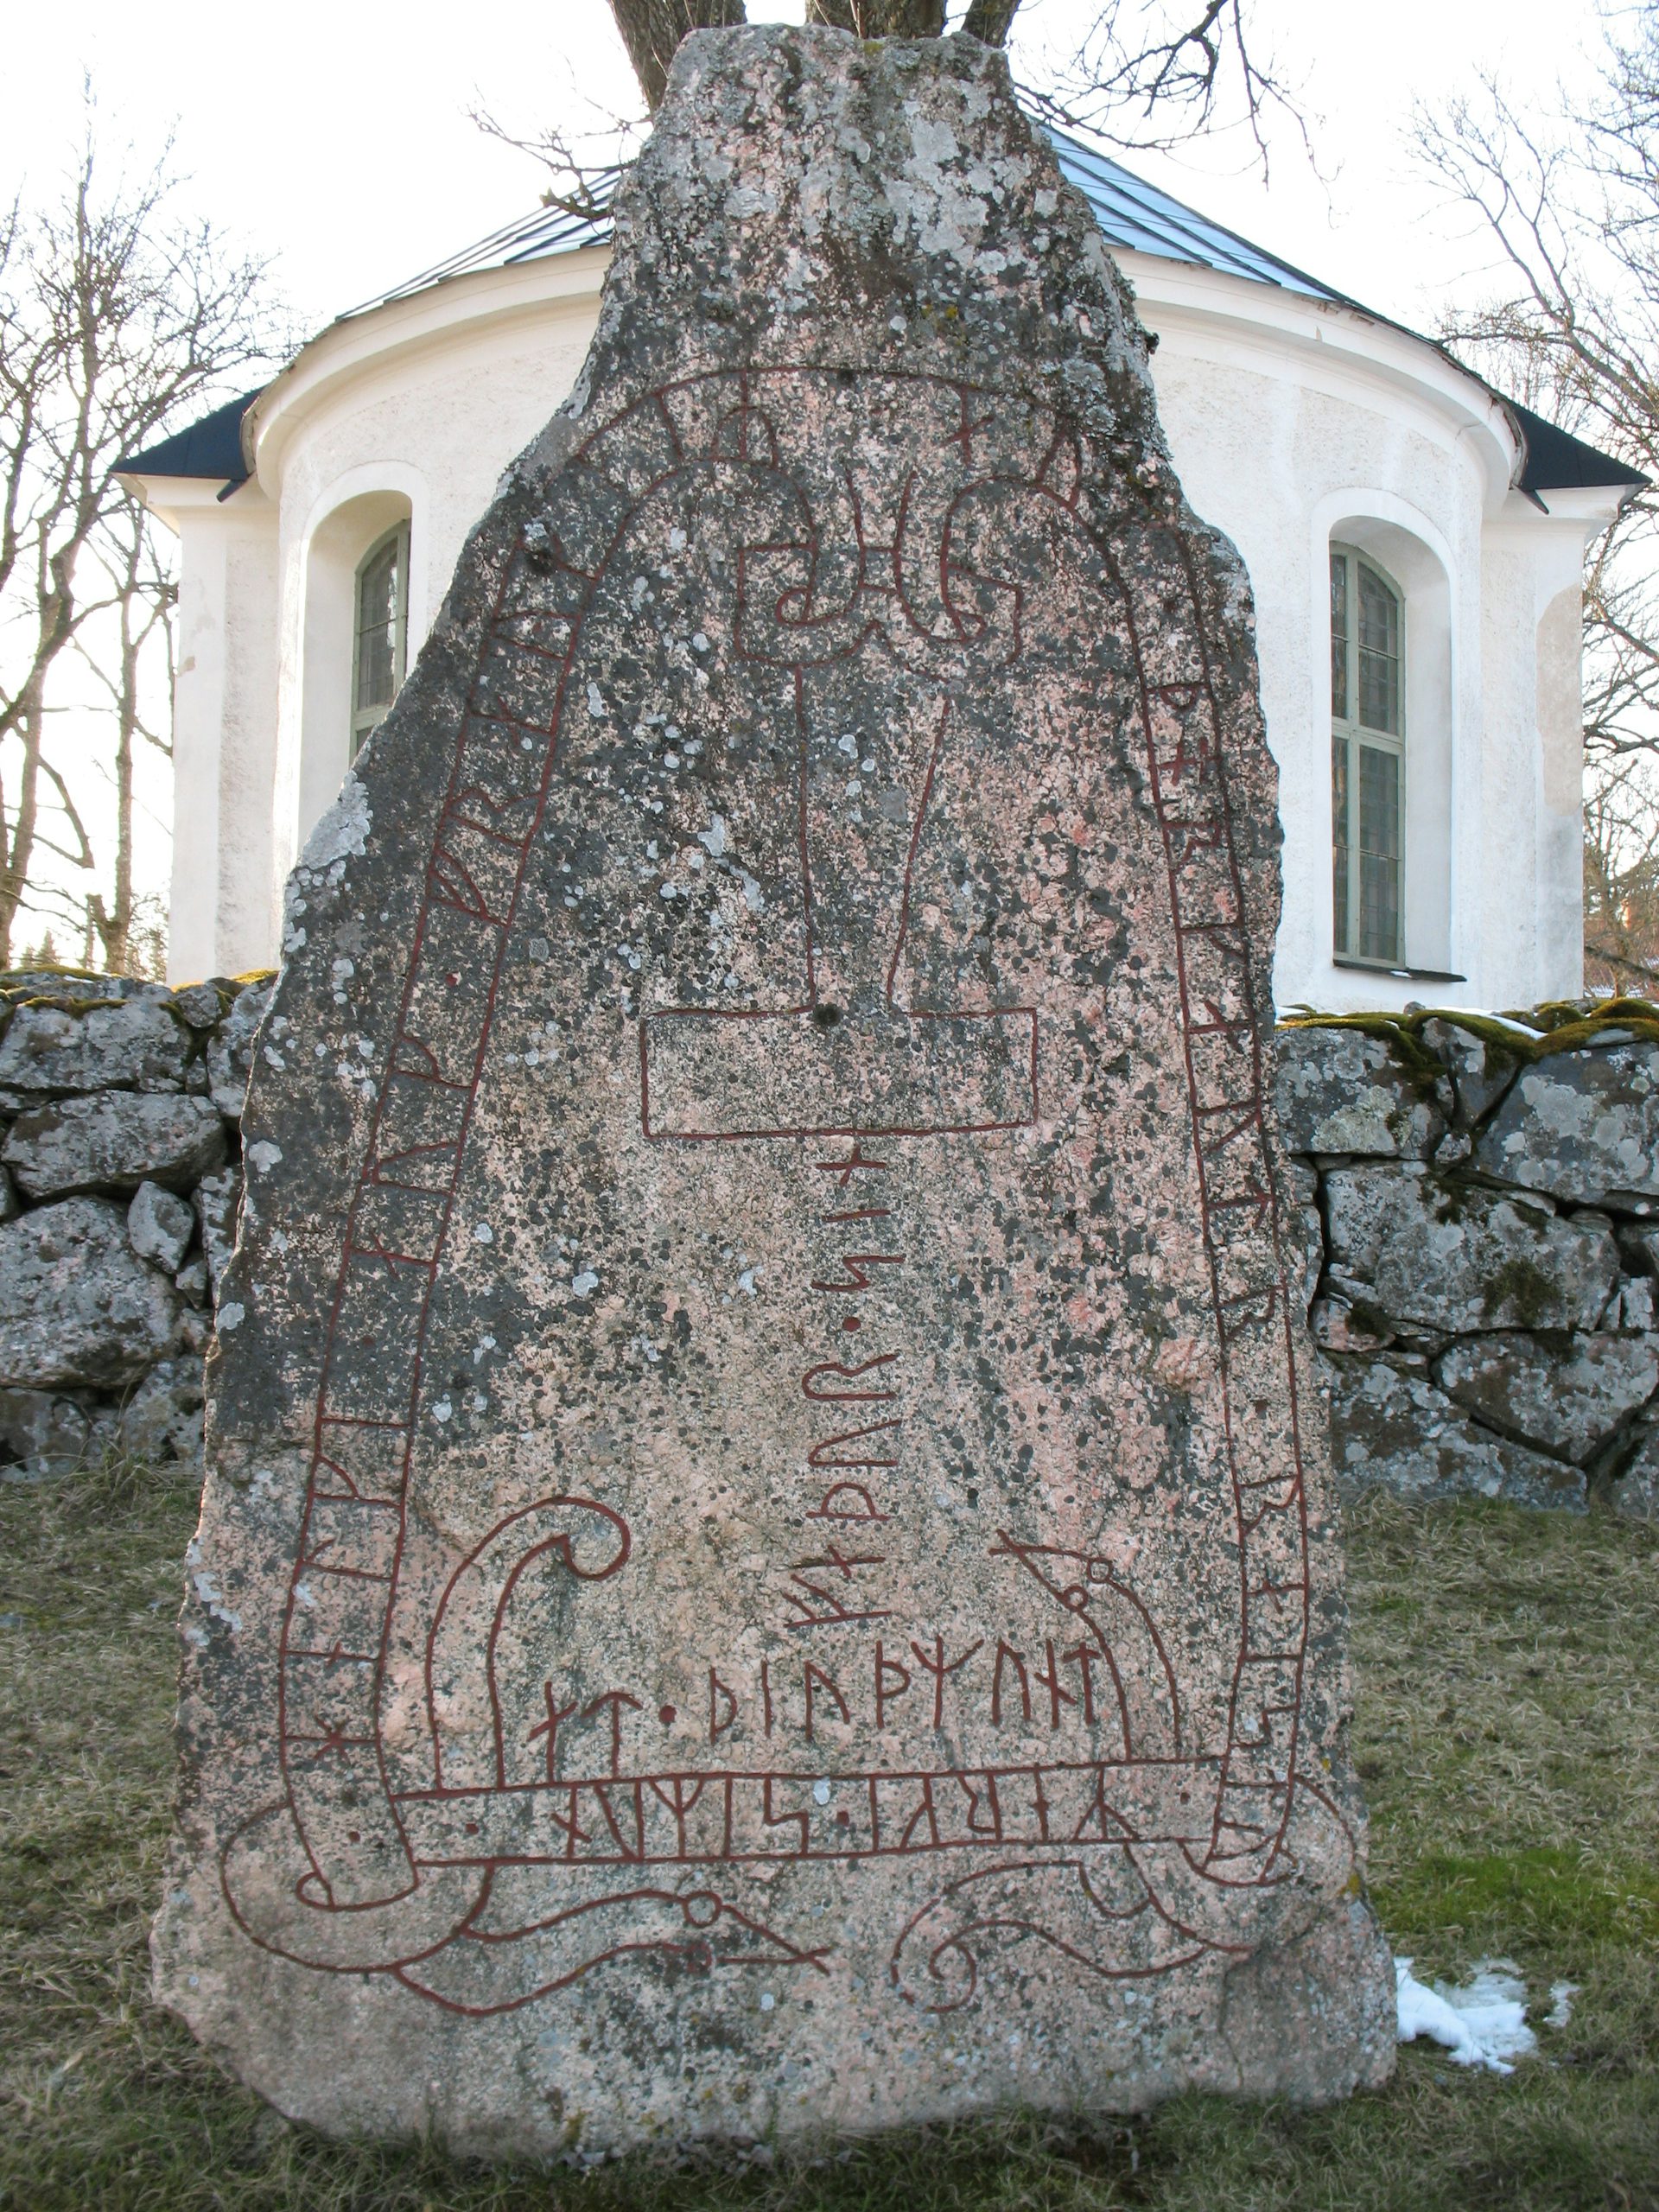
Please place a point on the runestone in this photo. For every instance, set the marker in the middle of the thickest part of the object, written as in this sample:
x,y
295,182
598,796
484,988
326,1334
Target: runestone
x,y
767,1557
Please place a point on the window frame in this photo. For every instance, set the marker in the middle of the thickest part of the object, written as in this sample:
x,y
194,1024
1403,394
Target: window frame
x,y
1348,731
363,721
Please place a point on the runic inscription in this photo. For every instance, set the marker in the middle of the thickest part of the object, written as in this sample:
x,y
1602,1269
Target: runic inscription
x,y
797,1523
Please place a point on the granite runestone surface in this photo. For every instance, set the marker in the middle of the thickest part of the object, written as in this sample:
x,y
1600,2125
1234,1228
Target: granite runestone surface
x,y
767,1559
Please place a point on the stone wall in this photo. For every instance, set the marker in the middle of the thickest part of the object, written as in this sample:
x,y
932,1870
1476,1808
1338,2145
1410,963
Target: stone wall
x,y
1481,1198
1482,1202
120,1174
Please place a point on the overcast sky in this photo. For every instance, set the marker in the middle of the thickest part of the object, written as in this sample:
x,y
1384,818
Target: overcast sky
x,y
336,136
336,139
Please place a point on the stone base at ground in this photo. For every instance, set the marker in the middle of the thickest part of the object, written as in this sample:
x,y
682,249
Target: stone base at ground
x,y
1300,2022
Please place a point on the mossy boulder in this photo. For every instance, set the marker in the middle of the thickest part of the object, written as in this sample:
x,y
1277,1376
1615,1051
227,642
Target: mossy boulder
x,y
1441,1254
1338,1091
1392,1427
1584,1126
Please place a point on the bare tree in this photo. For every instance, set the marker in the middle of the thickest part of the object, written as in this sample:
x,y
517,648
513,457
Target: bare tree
x,y
652,31
1574,327
133,668
1621,877
116,316
1571,327
890,18
1152,73
585,165
1175,59
1145,73
122,641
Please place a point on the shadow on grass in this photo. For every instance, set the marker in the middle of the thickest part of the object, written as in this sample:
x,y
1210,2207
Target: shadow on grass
x,y
1507,1709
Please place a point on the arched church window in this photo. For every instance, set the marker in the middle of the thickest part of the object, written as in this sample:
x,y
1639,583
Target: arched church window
x,y
1368,765
381,641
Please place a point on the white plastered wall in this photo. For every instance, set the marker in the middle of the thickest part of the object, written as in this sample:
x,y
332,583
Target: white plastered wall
x,y
320,560
1290,422
1533,570
224,725
420,431
1288,442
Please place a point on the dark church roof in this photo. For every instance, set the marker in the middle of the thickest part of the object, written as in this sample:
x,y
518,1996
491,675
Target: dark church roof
x,y
1556,460
1140,218
210,448
1132,215
532,238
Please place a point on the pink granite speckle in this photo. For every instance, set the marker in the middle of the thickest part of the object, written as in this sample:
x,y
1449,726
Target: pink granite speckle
x,y
778,1535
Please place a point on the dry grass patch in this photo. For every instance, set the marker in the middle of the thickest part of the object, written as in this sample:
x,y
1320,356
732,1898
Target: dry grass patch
x,y
1507,1709
1507,1725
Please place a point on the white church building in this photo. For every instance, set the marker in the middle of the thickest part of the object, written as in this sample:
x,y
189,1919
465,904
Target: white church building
x,y
1414,540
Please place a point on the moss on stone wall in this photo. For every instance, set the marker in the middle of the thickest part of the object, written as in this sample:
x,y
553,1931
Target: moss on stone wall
x,y
1533,1033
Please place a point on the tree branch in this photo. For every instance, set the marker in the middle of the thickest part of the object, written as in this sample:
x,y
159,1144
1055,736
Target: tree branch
x,y
119,316
1151,72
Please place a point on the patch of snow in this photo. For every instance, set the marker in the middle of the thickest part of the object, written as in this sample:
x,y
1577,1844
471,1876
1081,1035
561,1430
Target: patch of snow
x,y
1561,2009
1482,2022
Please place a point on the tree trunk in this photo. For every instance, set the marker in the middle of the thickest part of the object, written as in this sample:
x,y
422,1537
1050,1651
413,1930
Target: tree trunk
x,y
114,922
652,31
17,839
990,20
116,316
882,18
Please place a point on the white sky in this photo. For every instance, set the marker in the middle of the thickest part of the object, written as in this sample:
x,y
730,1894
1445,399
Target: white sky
x,y
336,137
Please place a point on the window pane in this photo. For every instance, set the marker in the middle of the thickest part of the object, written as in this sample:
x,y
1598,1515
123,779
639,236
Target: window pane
x,y
1339,840
1379,653
1379,854
374,670
1340,635
376,630
377,589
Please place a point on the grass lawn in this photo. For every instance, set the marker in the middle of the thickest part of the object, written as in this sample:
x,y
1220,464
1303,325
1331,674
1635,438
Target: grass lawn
x,y
1508,1730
